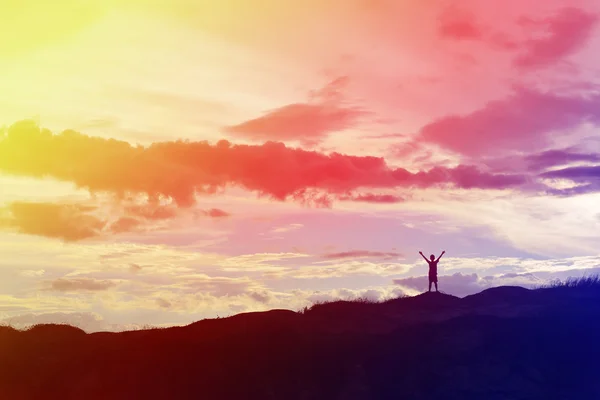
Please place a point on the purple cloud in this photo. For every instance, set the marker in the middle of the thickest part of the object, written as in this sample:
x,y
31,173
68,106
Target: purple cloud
x,y
553,158
524,121
586,177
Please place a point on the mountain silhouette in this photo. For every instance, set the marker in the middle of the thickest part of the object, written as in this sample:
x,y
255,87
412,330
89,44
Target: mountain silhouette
x,y
502,343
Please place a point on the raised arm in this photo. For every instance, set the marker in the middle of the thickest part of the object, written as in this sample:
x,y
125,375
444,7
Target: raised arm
x,y
425,258
438,259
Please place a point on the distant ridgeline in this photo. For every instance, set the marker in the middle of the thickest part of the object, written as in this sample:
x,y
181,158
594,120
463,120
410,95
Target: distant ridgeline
x,y
503,343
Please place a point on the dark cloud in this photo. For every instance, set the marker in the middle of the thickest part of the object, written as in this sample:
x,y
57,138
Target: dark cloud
x,y
566,32
260,296
584,173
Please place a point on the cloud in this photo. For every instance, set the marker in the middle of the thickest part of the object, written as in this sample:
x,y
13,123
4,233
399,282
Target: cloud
x,y
374,198
362,254
216,213
262,262
33,273
584,173
371,293
565,32
586,178
523,121
135,268
125,224
77,284
287,228
260,296
74,222
461,285
162,303
552,158
458,25
307,122
69,222
151,211
343,268
304,122
215,285
180,170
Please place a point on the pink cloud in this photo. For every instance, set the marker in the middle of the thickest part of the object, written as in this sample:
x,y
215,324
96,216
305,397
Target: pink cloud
x,y
306,122
362,254
216,213
374,198
459,25
566,32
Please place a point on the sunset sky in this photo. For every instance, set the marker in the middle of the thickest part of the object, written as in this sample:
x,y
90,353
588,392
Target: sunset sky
x,y
164,161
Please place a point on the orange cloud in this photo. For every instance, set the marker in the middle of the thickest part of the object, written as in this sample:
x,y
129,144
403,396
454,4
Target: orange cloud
x,y
69,222
181,169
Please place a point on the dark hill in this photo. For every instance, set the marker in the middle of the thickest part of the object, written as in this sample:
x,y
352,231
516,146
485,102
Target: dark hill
x,y
503,343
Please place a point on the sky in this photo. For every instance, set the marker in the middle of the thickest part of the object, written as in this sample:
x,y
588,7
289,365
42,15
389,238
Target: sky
x,y
163,161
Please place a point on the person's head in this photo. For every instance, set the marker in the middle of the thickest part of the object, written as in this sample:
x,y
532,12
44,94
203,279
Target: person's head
x,y
432,257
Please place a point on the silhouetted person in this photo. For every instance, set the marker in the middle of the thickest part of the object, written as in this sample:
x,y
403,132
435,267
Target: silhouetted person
x,y
433,269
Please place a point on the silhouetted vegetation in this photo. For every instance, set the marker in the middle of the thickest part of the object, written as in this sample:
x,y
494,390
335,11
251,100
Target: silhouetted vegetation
x,y
584,282
502,343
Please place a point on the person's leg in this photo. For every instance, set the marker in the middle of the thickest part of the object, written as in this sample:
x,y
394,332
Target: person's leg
x,y
436,287
430,286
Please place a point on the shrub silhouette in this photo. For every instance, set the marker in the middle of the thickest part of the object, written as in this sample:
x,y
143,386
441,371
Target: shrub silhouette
x,y
503,343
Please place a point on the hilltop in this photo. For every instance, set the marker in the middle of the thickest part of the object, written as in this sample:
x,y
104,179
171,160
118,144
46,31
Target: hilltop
x,y
502,343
